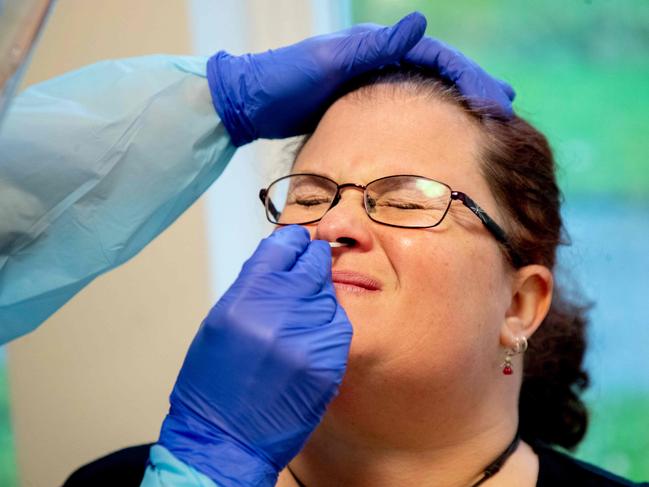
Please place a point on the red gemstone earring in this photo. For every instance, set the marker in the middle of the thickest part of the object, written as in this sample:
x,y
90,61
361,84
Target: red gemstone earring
x,y
519,347
507,364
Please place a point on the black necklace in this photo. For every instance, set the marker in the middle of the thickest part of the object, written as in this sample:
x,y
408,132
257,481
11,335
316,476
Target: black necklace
x,y
492,469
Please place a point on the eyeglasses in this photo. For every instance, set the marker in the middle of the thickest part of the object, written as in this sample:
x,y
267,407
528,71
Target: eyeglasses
x,y
402,201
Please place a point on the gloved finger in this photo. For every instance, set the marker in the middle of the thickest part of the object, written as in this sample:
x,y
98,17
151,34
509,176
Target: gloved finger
x,y
482,91
480,88
433,54
279,251
379,46
364,27
315,263
507,88
336,341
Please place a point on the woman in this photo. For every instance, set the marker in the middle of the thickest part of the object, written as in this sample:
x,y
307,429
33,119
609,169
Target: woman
x,y
445,275
442,315
447,307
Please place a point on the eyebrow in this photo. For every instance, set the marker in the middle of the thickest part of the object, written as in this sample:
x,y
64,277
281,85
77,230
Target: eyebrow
x,y
312,173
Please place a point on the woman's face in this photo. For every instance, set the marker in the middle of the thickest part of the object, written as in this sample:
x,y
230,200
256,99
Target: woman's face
x,y
443,292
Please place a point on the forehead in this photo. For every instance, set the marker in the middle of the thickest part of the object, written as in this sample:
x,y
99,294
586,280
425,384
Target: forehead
x,y
362,138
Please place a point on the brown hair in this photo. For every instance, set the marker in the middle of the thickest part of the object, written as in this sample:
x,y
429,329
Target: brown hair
x,y
519,166
520,169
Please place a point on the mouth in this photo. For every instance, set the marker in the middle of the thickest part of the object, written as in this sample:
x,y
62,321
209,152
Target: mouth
x,y
354,282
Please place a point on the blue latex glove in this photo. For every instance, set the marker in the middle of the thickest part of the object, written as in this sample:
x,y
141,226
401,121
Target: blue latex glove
x,y
263,366
481,89
281,93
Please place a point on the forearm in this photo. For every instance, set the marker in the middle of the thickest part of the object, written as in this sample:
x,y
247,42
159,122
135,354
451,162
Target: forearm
x,y
93,166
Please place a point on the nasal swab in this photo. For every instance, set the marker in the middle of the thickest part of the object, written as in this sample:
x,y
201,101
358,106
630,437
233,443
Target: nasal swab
x,y
337,244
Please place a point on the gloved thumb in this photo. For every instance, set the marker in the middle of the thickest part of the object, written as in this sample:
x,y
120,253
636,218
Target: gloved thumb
x,y
378,47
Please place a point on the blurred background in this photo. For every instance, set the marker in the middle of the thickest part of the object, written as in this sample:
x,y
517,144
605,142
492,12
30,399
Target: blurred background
x,y
76,388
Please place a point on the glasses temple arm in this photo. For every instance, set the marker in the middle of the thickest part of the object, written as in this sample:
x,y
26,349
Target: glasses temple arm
x,y
495,229
269,204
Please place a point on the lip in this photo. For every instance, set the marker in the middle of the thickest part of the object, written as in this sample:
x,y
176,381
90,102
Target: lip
x,y
354,281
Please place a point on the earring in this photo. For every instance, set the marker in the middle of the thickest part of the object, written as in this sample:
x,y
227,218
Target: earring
x,y
520,346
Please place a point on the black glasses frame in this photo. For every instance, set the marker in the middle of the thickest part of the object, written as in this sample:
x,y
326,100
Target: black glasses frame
x,y
490,224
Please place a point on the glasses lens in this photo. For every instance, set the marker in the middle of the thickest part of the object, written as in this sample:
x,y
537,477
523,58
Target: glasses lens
x,y
408,201
299,198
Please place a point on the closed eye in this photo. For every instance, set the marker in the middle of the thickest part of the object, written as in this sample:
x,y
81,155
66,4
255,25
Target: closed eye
x,y
403,205
310,201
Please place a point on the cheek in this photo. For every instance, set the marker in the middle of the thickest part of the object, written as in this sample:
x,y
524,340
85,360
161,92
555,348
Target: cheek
x,y
441,314
433,297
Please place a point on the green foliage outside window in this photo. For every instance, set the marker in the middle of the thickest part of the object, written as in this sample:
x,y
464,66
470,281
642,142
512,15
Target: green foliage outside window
x,y
581,70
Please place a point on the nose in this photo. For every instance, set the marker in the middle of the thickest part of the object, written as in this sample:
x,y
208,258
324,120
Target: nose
x,y
346,222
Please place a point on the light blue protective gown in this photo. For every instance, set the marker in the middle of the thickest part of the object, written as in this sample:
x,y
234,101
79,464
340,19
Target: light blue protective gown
x,y
94,165
165,470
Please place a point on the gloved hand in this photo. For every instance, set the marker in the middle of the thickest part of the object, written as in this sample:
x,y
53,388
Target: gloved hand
x,y
263,366
481,89
281,93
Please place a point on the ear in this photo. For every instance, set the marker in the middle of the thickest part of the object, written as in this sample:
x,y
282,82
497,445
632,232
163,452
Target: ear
x,y
531,297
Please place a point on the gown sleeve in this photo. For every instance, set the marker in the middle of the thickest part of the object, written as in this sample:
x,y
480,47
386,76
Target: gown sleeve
x,y
165,470
93,166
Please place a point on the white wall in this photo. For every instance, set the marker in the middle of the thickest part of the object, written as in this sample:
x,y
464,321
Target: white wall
x,y
252,26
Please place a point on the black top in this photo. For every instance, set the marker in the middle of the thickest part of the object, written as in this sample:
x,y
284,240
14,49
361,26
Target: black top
x,y
126,467
558,469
